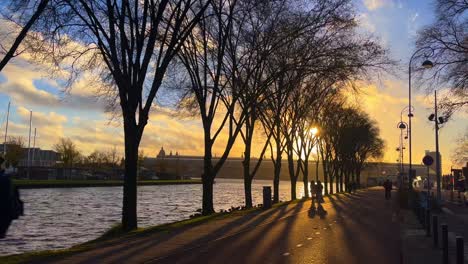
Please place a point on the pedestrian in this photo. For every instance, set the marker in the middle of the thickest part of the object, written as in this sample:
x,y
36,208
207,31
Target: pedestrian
x,y
388,189
6,201
313,193
319,189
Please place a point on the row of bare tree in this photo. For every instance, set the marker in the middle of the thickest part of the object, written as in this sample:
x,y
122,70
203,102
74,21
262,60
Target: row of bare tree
x,y
242,65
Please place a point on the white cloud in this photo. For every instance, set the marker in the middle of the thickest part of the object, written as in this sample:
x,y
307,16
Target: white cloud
x,y
376,4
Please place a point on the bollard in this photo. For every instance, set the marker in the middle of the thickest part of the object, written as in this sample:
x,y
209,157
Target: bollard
x,y
444,243
421,216
428,222
266,197
460,253
435,230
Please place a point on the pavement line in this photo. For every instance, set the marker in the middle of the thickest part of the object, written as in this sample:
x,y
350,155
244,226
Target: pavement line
x,y
286,254
299,245
448,211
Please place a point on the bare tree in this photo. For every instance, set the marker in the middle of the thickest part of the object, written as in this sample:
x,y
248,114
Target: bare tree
x,y
447,38
11,52
460,153
131,43
69,152
15,151
209,68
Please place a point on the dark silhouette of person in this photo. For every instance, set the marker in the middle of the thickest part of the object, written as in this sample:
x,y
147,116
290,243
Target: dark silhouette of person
x,y
6,201
318,192
313,193
388,189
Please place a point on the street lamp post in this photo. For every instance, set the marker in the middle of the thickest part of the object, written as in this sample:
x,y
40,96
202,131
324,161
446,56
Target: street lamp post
x,y
426,64
437,120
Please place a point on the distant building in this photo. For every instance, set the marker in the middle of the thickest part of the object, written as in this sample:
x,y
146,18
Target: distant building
x,y
181,166
38,157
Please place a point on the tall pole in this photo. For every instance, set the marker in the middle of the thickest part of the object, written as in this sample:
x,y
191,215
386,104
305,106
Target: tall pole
x,y
6,131
34,147
437,148
29,145
410,115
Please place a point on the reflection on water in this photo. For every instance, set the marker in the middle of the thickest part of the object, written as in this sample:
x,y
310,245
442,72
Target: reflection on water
x,y
60,218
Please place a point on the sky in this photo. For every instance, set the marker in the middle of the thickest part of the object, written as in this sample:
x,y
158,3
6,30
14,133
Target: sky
x,y
78,114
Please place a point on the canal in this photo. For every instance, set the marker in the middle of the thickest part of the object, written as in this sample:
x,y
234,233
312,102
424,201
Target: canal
x,y
62,217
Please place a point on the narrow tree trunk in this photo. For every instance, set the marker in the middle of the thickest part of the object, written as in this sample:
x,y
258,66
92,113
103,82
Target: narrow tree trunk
x,y
293,190
292,175
207,177
247,178
246,165
331,184
276,178
341,181
305,179
129,209
248,192
358,179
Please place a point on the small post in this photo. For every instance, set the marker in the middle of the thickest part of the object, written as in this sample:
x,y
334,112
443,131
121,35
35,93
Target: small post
x,y
421,215
435,230
444,243
460,251
266,197
428,222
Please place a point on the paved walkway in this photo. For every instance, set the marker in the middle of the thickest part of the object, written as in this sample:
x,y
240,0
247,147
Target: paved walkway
x,y
357,228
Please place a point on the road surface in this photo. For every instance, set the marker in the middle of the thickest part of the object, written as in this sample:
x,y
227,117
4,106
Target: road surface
x,y
357,228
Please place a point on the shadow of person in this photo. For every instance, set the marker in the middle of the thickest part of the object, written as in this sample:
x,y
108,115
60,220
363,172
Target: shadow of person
x,y
312,211
321,211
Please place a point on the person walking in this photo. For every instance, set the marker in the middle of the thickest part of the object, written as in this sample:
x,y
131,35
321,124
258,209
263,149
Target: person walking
x,y
388,189
319,189
313,193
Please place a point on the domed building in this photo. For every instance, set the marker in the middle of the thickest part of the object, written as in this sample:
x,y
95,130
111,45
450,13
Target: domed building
x,y
161,154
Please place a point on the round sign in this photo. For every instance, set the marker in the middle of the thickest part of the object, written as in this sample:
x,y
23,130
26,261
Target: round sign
x,y
428,160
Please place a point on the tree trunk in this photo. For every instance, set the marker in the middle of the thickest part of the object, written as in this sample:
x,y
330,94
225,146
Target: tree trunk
x,y
129,209
246,164
305,179
248,192
331,185
358,179
341,181
207,177
293,190
292,175
276,178
247,178
207,206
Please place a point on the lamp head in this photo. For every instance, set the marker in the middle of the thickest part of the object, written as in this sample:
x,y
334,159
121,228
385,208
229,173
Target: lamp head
x,y
427,64
402,126
441,120
431,117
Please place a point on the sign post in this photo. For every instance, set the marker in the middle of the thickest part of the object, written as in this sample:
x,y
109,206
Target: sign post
x,y
428,161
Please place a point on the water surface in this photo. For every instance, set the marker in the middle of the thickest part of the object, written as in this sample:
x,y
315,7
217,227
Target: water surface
x,y
62,217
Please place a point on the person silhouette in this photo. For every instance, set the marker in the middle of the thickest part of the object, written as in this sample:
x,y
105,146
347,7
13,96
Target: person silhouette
x,y
319,189
388,189
313,193
6,201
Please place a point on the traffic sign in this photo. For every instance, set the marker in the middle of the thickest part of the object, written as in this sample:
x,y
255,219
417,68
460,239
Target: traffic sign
x,y
428,160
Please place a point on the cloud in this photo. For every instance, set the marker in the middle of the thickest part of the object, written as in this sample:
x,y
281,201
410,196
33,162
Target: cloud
x,y
22,82
376,4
